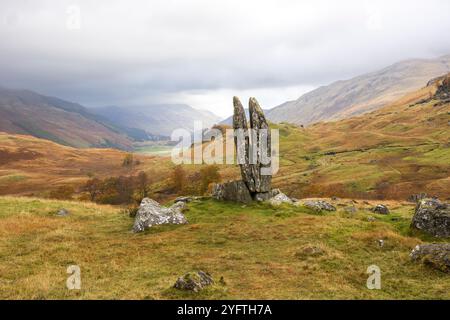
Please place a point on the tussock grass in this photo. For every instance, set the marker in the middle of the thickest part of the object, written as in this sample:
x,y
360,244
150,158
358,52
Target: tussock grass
x,y
261,251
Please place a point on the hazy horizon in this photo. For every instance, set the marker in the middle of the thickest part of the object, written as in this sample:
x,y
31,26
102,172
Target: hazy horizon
x,y
202,53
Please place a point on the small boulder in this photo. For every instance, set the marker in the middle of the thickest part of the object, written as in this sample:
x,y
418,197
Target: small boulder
x,y
433,217
309,251
62,212
183,199
381,209
151,213
262,196
434,255
279,199
194,281
319,205
235,191
350,209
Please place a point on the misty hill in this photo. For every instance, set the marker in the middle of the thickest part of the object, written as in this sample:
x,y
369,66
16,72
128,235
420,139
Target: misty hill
x,y
67,123
368,92
159,119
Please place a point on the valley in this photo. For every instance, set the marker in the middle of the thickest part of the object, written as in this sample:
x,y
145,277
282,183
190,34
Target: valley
x,y
392,153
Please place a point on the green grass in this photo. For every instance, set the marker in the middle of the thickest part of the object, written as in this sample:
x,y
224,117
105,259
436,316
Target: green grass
x,y
258,249
154,150
11,178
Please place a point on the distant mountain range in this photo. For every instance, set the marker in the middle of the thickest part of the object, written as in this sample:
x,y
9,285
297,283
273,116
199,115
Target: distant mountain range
x,y
67,123
159,119
368,92
71,124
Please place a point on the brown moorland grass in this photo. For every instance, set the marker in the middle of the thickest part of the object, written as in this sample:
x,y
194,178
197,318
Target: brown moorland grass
x,y
262,252
390,153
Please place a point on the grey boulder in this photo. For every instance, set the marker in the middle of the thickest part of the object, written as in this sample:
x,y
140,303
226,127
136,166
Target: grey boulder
x,y
280,198
433,217
62,212
235,191
194,281
381,209
151,213
319,205
434,255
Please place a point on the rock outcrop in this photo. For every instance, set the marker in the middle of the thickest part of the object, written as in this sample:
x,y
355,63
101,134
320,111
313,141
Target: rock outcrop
x,y
249,149
443,88
151,213
235,191
435,255
433,217
194,281
319,205
256,175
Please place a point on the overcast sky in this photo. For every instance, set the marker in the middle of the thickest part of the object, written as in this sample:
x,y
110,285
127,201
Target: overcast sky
x,y
204,52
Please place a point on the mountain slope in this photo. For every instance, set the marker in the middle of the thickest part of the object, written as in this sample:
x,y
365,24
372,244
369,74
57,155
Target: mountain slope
x,y
158,119
390,153
33,166
67,123
364,93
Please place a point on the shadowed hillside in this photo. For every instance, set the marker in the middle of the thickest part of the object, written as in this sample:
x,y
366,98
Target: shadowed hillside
x,y
67,123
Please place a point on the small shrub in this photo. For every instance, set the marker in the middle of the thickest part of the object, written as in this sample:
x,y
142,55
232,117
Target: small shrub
x,y
62,193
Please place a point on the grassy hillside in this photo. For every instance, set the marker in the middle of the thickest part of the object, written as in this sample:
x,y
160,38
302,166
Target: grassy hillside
x,y
67,123
391,153
31,166
260,251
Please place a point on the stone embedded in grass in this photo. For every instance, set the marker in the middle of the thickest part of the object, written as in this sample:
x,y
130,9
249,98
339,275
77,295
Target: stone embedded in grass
x,y
319,205
235,191
309,251
184,199
62,212
187,199
433,217
279,199
381,209
434,255
151,213
194,281
350,209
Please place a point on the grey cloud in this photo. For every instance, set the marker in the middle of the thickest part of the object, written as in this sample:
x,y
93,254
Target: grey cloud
x,y
145,50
